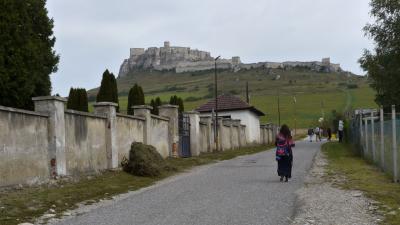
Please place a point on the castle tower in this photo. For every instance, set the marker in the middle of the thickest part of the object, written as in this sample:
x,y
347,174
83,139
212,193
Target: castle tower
x,y
166,44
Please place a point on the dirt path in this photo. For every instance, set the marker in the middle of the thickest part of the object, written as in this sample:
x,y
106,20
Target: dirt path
x,y
320,202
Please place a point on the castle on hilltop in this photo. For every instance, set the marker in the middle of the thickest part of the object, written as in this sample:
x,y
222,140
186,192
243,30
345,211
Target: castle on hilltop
x,y
185,59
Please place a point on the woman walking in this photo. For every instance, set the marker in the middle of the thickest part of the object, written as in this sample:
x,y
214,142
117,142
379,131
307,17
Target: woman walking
x,y
284,155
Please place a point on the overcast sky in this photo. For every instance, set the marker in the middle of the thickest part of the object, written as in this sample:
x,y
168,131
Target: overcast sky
x,y
93,35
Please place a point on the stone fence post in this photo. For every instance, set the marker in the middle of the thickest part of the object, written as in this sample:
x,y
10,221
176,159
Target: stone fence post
x,y
144,111
171,112
394,145
194,118
109,109
54,107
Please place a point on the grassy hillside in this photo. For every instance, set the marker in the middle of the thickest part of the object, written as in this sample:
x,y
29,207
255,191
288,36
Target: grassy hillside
x,y
316,93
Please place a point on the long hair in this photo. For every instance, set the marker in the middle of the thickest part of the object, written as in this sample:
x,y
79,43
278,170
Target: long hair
x,y
285,131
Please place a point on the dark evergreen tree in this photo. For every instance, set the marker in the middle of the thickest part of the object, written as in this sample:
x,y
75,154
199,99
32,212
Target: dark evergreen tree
x,y
83,100
77,99
135,97
27,57
175,100
153,110
108,91
383,64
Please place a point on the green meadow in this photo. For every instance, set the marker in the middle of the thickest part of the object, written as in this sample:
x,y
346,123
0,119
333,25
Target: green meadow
x,y
316,94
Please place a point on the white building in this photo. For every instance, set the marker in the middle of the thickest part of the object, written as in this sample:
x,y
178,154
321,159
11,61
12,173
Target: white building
x,y
230,106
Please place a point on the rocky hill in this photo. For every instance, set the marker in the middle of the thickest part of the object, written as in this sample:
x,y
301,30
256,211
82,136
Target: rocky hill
x,y
185,59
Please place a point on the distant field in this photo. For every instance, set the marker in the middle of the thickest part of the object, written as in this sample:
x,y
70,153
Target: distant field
x,y
316,93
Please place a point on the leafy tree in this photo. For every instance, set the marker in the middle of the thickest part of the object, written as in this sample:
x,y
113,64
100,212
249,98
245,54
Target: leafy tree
x,y
108,91
135,97
27,57
77,99
383,63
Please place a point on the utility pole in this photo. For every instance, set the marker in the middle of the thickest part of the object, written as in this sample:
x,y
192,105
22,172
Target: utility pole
x,y
216,103
295,115
247,92
279,111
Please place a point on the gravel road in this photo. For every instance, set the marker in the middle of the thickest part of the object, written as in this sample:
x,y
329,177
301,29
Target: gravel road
x,y
245,190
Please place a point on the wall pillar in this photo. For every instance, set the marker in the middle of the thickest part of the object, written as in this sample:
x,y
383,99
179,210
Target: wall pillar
x,y
54,107
171,112
209,138
194,118
144,111
109,109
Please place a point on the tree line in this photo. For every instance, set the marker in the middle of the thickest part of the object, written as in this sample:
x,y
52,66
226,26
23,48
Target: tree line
x,y
108,92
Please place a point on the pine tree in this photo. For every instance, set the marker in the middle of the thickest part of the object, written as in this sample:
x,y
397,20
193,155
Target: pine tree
x,y
135,97
108,91
27,57
83,100
153,110
77,100
175,100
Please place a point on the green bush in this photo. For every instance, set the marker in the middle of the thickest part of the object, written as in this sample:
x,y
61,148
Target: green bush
x,y
144,161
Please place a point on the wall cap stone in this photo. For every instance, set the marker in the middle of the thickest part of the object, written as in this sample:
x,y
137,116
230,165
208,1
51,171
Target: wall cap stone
x,y
80,113
166,106
22,111
131,117
99,104
142,107
46,98
192,113
159,117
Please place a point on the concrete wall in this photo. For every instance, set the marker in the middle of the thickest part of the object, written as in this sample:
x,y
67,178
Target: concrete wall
x,y
85,146
23,149
159,135
247,118
52,141
203,138
129,129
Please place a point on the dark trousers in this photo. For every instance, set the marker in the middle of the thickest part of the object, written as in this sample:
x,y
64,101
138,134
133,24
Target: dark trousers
x,y
285,166
340,136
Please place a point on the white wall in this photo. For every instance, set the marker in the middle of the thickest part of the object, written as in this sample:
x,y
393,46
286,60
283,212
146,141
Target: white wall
x,y
248,118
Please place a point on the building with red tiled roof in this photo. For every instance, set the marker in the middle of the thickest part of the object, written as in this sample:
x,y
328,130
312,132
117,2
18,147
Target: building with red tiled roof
x,y
233,107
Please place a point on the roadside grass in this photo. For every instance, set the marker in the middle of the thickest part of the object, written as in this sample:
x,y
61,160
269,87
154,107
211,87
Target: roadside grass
x,y
27,204
363,176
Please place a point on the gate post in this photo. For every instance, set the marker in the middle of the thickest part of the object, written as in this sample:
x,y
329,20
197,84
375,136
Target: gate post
x,y
382,139
194,118
394,147
54,106
171,112
144,111
373,136
109,109
366,137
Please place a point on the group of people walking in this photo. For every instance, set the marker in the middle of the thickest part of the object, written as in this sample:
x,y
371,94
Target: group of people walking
x,y
284,147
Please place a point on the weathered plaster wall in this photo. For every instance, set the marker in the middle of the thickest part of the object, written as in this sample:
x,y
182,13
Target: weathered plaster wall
x,y
23,147
226,137
159,135
203,138
129,129
85,142
235,137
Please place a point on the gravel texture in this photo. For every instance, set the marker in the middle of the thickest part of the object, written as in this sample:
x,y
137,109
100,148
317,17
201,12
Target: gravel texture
x,y
319,202
245,190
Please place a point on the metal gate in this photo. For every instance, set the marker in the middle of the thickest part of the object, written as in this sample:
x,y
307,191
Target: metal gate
x,y
184,135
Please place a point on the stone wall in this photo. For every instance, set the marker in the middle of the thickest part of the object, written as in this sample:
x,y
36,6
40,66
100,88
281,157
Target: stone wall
x,y
129,129
85,144
23,149
159,135
52,141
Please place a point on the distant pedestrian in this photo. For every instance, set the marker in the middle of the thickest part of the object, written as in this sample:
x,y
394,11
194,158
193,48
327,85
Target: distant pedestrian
x,y
329,131
284,155
310,133
340,130
317,134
